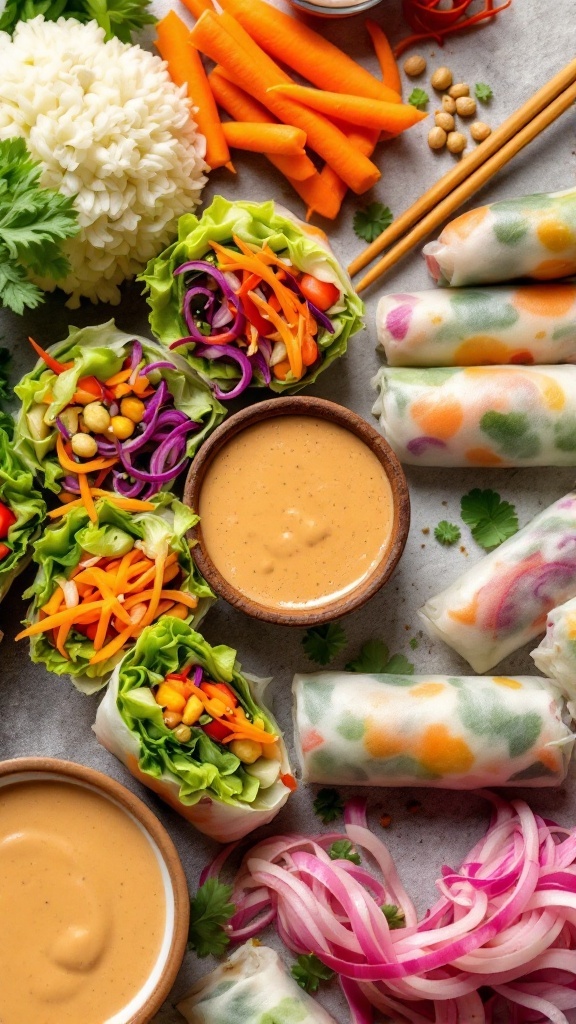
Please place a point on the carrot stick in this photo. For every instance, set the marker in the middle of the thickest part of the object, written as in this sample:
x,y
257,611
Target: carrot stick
x,y
305,51
197,7
385,55
186,68
365,140
392,117
282,139
113,647
250,68
52,621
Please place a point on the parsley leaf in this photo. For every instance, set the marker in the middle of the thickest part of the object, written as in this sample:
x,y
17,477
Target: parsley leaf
x,y
4,361
117,17
490,519
328,805
447,533
374,658
414,643
394,915
343,849
309,971
323,643
372,221
210,910
418,98
483,92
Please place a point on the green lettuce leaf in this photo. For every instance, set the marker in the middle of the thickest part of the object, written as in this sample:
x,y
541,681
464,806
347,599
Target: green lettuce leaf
x,y
201,764
254,223
16,491
99,352
61,548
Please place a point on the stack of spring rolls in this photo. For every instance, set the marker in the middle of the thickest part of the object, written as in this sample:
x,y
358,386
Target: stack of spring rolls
x,y
473,375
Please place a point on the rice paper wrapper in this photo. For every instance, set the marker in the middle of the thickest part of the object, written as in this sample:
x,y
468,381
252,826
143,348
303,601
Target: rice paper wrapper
x,y
502,602
251,987
556,653
495,416
448,732
221,821
476,326
531,236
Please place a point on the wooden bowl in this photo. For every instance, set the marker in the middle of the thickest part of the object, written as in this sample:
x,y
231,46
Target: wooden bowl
x,y
319,409
150,998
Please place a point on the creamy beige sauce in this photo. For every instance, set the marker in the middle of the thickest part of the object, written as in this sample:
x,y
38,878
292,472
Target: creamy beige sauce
x,y
295,511
82,905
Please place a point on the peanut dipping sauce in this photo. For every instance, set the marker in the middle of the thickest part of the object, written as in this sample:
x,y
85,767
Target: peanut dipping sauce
x,y
295,511
82,905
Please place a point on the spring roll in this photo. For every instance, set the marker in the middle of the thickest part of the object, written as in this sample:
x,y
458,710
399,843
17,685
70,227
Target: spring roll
x,y
502,602
189,725
22,510
448,732
475,326
479,415
252,987
531,236
556,653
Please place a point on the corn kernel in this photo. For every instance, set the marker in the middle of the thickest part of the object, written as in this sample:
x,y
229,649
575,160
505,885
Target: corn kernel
x,y
122,427
133,409
169,698
246,751
194,708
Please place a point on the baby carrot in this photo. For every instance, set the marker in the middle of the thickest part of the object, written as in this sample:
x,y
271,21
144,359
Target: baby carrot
x,y
278,139
385,55
197,7
185,67
365,140
392,117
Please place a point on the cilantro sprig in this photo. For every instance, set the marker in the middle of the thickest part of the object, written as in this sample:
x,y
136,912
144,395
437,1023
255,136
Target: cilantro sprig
x,y
343,849
418,98
483,92
447,533
372,220
328,805
374,658
490,519
309,971
117,17
323,643
210,910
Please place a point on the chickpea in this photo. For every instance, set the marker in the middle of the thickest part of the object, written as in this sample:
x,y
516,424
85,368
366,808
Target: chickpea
x,y
133,409
437,138
441,79
444,120
69,418
480,131
459,89
182,733
466,106
96,417
414,66
246,751
456,142
448,104
171,719
84,445
122,427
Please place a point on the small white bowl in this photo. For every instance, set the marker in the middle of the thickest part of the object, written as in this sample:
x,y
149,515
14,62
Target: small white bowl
x,y
347,10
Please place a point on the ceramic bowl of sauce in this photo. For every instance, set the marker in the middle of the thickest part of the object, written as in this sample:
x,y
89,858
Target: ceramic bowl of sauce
x,y
93,904
334,8
304,510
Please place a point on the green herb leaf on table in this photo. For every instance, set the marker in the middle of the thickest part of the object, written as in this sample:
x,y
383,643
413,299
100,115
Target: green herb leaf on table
x,y
374,658
117,17
343,849
447,533
323,643
483,92
309,971
372,220
210,910
4,361
414,643
328,805
490,519
394,915
418,98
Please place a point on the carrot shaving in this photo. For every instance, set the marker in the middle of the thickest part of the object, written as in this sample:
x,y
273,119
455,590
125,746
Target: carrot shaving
x,y
80,467
118,378
157,590
86,496
428,22
53,604
61,637
54,621
113,647
292,344
168,595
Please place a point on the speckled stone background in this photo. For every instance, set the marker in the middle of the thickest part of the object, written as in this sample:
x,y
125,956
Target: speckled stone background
x,y
41,714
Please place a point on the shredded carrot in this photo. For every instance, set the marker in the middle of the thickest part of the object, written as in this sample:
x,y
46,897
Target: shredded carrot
x,y
429,22
127,504
157,590
53,621
80,467
167,595
86,496
61,637
278,139
385,56
393,117
289,781
119,378
113,647
53,604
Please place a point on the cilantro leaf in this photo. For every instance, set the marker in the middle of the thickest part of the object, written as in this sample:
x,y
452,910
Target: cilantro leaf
x,y
210,910
418,98
490,519
394,915
372,220
309,971
374,658
323,643
414,643
117,17
343,849
447,533
328,805
483,92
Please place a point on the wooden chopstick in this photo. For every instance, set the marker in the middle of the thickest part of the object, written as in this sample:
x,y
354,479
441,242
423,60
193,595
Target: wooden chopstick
x,y
499,137
455,199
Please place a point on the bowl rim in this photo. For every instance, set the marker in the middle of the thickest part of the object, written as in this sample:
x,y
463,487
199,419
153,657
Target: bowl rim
x,y
319,408
309,7
135,806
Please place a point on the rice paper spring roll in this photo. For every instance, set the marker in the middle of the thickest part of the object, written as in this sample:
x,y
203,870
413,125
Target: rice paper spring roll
x,y
475,326
191,726
22,510
502,602
449,732
251,987
479,415
556,653
530,236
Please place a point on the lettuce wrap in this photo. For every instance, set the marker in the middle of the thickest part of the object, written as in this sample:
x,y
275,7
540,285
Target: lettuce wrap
x,y
55,404
226,789
186,280
97,566
25,505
